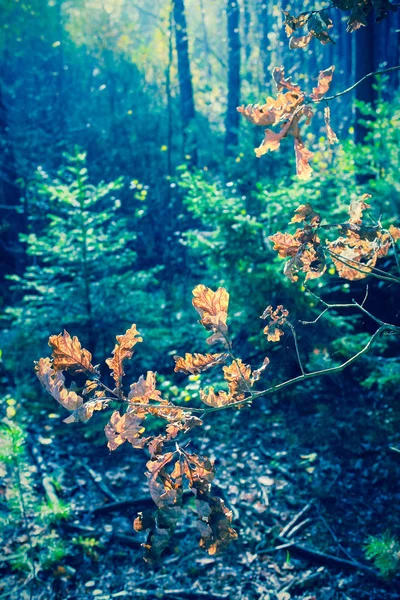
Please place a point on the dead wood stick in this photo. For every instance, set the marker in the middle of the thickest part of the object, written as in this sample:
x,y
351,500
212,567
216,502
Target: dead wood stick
x,y
329,528
99,481
329,559
295,520
296,528
180,594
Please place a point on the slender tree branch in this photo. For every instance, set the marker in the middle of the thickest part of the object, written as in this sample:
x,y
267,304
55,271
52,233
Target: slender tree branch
x,y
292,329
373,271
351,88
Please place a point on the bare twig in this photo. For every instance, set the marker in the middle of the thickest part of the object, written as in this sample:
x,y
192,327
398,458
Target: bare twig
x,y
285,531
292,329
351,88
329,559
98,479
329,528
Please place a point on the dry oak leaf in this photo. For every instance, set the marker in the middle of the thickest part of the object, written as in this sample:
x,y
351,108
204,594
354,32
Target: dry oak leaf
x,y
324,82
69,354
127,428
54,382
216,531
258,372
331,135
293,23
213,310
357,208
394,232
276,319
160,482
85,412
306,213
144,390
278,75
310,260
303,157
196,363
122,351
286,244
238,377
353,257
301,41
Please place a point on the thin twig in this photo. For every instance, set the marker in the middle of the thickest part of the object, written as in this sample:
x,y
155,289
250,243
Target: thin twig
x,y
351,88
355,265
330,559
292,329
295,520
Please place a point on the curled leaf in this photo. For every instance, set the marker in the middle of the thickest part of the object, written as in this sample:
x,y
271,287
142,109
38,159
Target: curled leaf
x,y
54,382
306,213
324,81
196,363
122,351
332,137
276,319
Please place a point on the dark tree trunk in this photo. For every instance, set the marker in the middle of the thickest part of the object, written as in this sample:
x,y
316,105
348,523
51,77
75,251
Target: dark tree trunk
x,y
232,115
12,222
265,57
185,81
364,54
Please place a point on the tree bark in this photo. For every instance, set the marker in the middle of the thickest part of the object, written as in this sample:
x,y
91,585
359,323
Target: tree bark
x,y
12,254
364,54
188,112
232,115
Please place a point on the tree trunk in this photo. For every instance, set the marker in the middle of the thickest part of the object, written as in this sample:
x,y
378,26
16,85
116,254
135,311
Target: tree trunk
x,y
185,82
232,115
12,222
364,54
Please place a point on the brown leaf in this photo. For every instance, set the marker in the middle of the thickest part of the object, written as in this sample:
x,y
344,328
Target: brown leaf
x,y
352,256
293,23
122,351
303,157
272,140
394,232
357,208
196,363
301,41
53,381
276,319
324,81
306,213
258,372
85,412
218,534
159,482
281,83
285,244
213,310
144,390
126,428
332,137
69,354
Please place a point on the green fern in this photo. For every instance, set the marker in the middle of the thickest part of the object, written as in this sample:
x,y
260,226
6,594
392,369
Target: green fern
x,y
385,552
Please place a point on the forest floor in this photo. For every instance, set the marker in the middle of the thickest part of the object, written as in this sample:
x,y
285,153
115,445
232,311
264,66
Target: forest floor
x,y
307,484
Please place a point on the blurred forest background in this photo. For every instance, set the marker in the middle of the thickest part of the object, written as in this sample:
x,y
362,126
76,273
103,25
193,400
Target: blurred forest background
x,y
127,177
